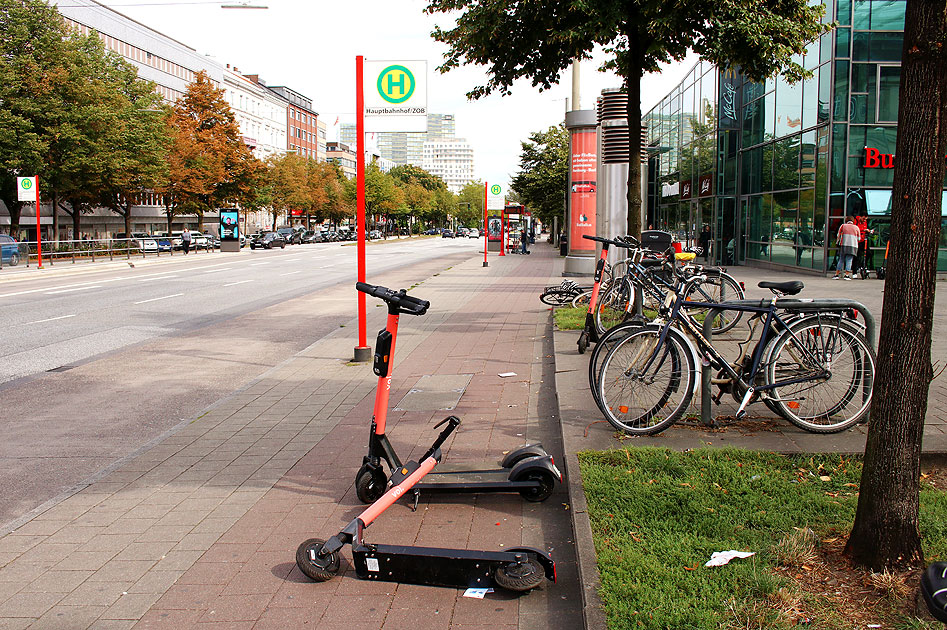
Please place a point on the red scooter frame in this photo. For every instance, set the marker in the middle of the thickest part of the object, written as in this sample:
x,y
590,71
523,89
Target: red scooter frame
x,y
589,334
528,470
517,569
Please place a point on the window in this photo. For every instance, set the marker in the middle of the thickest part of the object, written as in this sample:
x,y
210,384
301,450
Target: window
x,y
889,80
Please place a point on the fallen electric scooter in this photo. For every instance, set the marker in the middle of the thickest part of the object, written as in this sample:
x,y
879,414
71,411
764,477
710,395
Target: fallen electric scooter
x,y
517,569
528,470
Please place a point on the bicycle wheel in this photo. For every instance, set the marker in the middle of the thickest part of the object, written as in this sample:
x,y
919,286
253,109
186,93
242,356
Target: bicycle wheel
x,y
613,307
834,368
604,345
582,300
557,297
719,287
645,385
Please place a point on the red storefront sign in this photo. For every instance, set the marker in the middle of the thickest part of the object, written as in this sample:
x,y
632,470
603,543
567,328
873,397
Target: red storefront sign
x,y
582,192
876,159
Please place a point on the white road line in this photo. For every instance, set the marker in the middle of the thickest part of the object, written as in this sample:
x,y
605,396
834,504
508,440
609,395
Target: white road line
x,y
221,269
291,273
94,286
230,284
51,319
160,298
265,262
157,278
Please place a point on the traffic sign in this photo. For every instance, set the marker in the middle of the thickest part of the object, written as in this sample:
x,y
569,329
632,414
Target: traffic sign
x,y
26,188
395,95
496,200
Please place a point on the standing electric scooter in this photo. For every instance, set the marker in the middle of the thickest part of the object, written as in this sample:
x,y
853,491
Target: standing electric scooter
x,y
589,334
529,470
517,569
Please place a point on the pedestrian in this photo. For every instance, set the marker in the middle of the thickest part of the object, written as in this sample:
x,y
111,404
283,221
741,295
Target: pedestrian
x,y
524,240
704,239
185,241
847,240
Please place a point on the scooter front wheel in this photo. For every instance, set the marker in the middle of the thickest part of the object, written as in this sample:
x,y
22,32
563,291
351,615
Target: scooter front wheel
x,y
583,342
313,566
520,576
370,484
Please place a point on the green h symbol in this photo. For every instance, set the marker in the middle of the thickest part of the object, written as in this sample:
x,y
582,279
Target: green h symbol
x,y
392,83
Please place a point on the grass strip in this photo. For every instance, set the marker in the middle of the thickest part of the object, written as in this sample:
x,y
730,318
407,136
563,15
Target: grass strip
x,y
658,515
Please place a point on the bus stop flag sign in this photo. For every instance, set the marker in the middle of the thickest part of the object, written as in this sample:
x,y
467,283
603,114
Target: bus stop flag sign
x,y
395,95
26,189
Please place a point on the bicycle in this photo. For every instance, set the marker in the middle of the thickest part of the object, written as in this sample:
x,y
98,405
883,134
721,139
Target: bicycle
x,y
648,377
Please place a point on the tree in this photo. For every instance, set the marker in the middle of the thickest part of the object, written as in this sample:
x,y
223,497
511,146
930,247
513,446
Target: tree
x,y
34,75
544,171
525,39
289,177
382,195
409,173
209,165
885,533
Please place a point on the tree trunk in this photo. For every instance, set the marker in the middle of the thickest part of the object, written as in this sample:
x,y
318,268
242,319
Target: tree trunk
x,y
127,215
633,75
15,208
885,533
55,209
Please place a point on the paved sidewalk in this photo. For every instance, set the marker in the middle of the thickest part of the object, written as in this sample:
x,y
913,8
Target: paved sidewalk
x,y
200,530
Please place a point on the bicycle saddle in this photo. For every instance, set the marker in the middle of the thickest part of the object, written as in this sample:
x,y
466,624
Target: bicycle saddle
x,y
791,287
685,256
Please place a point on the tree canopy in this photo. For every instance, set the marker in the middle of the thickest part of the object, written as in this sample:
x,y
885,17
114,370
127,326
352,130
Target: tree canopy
x,y
544,172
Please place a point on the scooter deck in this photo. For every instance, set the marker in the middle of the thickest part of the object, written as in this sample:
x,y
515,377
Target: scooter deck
x,y
472,480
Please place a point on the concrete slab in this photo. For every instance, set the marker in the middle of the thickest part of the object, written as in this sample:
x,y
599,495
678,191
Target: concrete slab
x,y
435,392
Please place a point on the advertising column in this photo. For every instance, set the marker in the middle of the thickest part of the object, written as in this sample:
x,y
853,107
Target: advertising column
x,y
581,216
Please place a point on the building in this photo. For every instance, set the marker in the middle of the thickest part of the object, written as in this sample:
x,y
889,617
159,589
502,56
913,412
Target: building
x,y
452,160
260,112
320,140
302,129
341,154
774,168
405,147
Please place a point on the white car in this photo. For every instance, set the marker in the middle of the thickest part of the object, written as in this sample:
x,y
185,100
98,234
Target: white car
x,y
473,233
144,242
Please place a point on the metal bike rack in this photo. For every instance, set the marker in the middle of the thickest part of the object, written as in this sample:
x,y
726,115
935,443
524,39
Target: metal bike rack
x,y
793,304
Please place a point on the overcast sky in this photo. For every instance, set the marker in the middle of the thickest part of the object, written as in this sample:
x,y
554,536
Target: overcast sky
x,y
310,46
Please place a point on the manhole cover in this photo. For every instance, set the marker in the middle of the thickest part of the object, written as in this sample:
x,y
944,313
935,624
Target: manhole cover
x,y
435,393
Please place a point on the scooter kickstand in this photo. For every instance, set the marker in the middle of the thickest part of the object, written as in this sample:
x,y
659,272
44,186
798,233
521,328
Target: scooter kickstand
x,y
417,497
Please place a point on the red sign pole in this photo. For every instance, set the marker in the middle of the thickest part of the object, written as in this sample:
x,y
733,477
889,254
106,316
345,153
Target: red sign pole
x,y
502,232
485,263
362,351
39,245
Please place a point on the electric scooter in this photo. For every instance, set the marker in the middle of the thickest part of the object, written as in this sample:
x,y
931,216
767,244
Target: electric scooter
x,y
517,569
528,470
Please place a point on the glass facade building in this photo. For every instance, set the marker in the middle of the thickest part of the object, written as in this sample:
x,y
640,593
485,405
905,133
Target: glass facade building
x,y
774,168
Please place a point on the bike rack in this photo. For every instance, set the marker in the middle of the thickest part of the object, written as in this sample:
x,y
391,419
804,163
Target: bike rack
x,y
793,304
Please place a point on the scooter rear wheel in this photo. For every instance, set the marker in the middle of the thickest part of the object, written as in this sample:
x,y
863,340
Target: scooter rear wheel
x,y
547,483
370,484
314,567
520,576
583,342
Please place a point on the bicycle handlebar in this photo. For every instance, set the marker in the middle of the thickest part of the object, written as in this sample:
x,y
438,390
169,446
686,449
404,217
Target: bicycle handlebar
x,y
398,300
623,241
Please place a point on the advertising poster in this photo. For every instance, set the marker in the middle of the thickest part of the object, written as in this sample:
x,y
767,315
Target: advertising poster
x,y
494,225
229,225
582,192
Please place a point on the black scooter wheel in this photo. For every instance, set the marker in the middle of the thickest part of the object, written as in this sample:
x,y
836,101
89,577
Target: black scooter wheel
x,y
547,483
370,484
320,569
583,342
520,576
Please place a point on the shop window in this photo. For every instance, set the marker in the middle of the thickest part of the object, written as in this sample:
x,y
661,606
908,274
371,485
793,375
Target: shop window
x,y
886,46
769,119
840,104
857,140
752,171
842,42
807,159
810,101
786,163
788,108
860,46
858,108
860,74
889,81
839,146
821,178
753,115
825,92
766,169
881,138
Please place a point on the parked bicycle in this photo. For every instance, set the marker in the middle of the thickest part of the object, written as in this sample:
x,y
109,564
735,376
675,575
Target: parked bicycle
x,y
810,364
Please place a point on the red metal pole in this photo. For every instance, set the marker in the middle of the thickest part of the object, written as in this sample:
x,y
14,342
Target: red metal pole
x,y
503,232
39,245
485,218
362,351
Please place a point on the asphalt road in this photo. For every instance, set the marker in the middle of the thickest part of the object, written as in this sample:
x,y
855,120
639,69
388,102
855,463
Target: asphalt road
x,y
99,361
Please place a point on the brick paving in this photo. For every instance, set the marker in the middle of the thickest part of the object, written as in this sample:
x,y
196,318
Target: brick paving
x,y
200,530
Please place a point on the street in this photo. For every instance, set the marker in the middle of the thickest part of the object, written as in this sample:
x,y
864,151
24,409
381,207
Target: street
x,y
99,361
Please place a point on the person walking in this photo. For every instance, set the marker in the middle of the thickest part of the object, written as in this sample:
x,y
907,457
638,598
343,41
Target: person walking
x,y
186,241
524,240
847,240
704,239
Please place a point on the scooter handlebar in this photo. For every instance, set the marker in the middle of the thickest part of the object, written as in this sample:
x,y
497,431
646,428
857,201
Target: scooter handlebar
x,y
399,300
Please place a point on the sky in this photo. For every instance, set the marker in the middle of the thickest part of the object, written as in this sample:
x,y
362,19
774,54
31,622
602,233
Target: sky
x,y
310,46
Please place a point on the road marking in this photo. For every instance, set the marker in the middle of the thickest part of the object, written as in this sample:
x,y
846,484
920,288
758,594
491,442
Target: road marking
x,y
291,273
157,278
51,319
230,284
94,286
221,269
265,262
160,298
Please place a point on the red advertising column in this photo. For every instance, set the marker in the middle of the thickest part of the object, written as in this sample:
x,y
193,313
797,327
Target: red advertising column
x,y
362,351
582,191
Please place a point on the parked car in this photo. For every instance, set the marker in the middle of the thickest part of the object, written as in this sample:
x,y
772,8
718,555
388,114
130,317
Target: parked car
x,y
445,233
269,240
164,242
473,233
9,250
462,233
289,234
213,240
331,236
137,240
199,241
375,234
431,232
